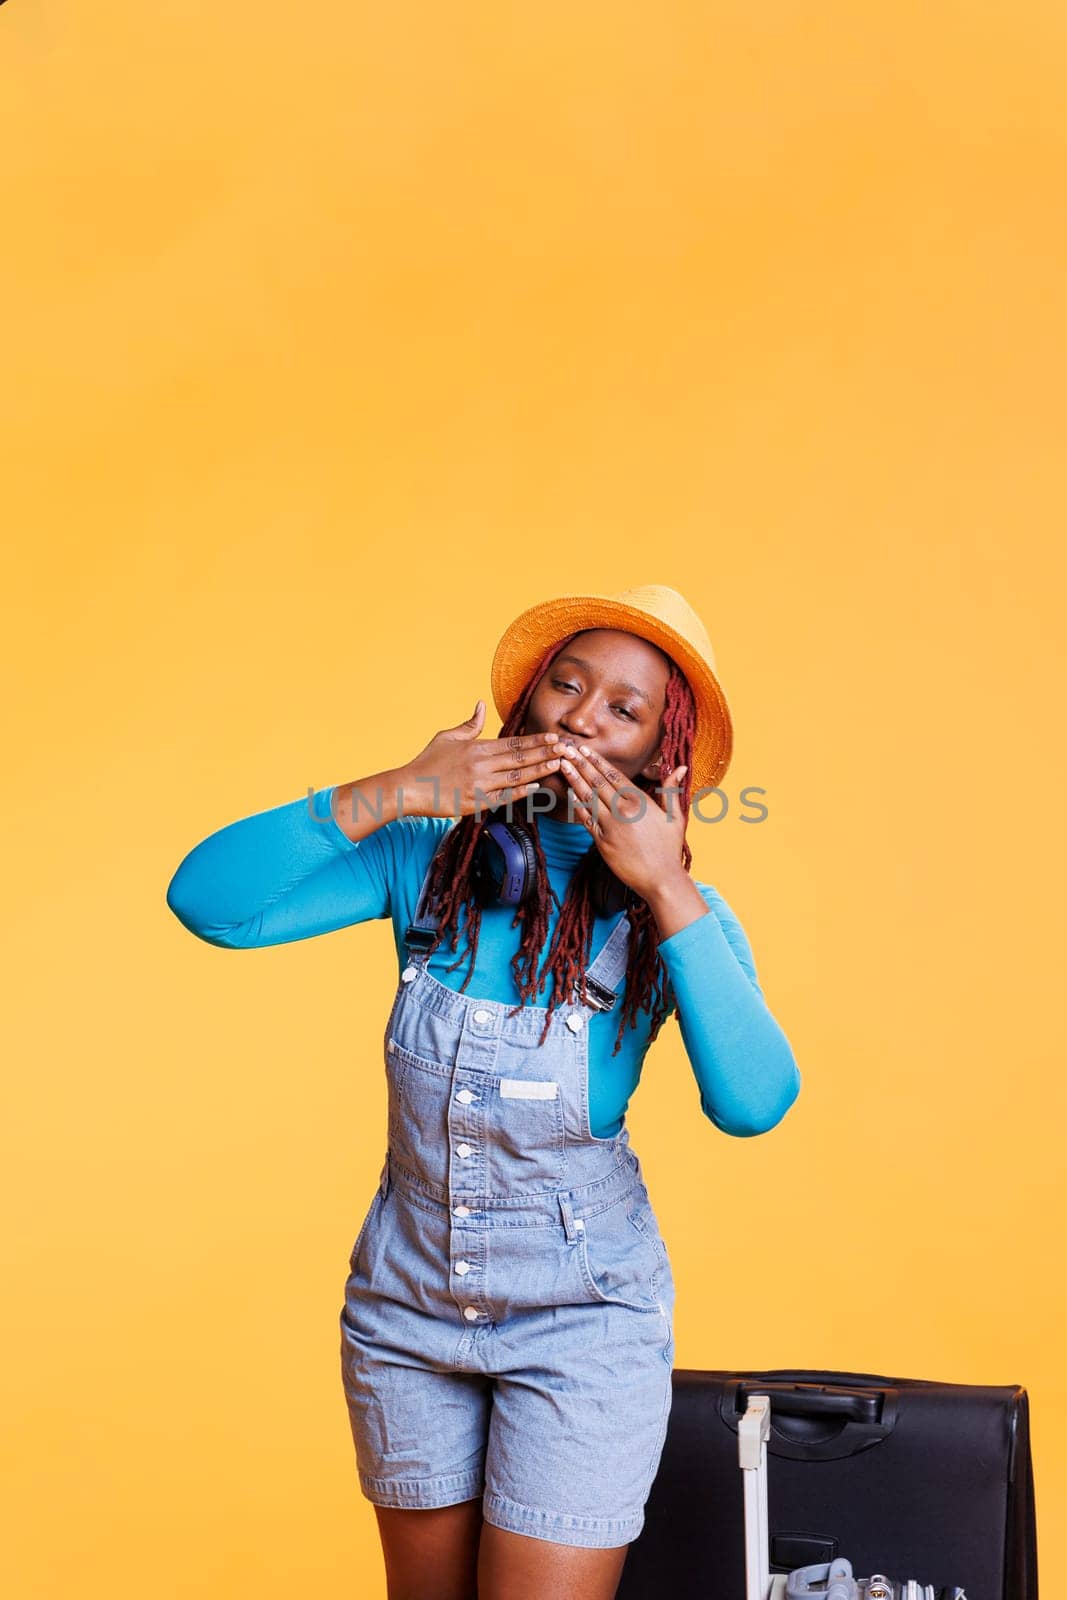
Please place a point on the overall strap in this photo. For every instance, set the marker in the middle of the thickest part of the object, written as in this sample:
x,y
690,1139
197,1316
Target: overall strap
x,y
418,936
605,975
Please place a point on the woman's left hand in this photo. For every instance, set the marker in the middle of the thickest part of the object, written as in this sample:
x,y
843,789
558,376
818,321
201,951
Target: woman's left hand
x,y
639,840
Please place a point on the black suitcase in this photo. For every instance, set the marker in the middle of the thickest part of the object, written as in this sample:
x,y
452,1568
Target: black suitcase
x,y
906,1476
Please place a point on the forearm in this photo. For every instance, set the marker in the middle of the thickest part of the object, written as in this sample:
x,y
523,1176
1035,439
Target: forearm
x,y
283,874
740,1056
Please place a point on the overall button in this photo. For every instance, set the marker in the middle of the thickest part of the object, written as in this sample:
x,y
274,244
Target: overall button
x,y
462,1211
462,1267
574,1022
463,1149
481,1016
470,1312
409,973
466,1096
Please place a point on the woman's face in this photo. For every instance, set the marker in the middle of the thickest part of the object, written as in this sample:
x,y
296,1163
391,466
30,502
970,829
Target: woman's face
x,y
606,689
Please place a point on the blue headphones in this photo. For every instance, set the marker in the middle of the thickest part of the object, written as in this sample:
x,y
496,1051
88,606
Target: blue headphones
x,y
504,871
504,866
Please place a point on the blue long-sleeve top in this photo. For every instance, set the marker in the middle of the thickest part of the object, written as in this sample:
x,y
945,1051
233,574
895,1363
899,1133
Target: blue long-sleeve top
x,y
292,873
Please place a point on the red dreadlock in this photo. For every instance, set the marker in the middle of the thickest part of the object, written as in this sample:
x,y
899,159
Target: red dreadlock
x,y
647,985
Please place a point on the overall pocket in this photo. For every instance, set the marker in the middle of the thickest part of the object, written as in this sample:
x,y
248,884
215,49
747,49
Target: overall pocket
x,y
644,1220
526,1146
419,1093
620,1260
357,1248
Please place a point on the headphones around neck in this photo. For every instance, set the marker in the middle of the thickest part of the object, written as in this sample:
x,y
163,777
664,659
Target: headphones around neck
x,y
504,870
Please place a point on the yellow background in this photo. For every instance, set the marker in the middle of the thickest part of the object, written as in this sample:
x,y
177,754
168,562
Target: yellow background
x,y
334,337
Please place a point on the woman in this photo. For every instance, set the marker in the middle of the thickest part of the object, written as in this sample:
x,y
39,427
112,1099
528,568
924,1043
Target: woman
x,y
506,1336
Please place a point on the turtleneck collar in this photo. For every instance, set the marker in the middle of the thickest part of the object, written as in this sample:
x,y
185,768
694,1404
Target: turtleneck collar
x,y
564,843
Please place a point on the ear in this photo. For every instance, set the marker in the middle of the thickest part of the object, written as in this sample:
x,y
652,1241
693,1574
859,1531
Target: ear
x,y
653,769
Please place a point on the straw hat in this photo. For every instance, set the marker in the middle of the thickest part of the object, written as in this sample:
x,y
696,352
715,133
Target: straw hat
x,y
653,612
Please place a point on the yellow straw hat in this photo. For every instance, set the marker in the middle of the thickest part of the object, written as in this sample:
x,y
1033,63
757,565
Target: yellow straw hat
x,y
653,612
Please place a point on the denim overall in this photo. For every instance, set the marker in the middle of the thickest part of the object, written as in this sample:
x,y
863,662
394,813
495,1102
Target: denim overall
x,y
507,1329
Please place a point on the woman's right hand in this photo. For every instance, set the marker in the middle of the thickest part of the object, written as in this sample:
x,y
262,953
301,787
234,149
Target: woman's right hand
x,y
458,772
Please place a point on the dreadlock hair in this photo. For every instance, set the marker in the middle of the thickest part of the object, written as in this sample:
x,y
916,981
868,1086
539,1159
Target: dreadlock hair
x,y
452,885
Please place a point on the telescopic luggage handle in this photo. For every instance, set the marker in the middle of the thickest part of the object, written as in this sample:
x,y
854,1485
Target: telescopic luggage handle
x,y
753,1430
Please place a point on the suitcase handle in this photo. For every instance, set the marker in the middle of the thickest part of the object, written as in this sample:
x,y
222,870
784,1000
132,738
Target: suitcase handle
x,y
813,1421
851,1404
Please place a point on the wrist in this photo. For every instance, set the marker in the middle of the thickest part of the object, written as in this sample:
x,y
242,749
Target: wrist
x,y
675,902
403,795
358,808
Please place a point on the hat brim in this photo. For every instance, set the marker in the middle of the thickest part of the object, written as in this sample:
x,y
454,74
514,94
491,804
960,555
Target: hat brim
x,y
537,629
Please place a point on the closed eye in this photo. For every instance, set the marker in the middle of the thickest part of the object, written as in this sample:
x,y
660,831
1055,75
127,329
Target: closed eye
x,y
557,684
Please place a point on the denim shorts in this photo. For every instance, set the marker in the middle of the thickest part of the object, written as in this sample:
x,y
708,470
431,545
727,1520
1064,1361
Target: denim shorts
x,y
507,1329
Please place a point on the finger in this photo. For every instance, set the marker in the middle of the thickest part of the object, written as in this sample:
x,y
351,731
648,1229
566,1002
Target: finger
x,y
516,791
509,761
525,777
600,779
600,774
673,779
578,782
585,816
518,742
580,786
